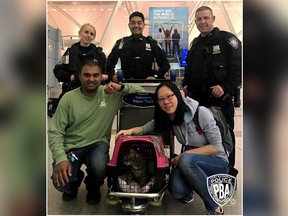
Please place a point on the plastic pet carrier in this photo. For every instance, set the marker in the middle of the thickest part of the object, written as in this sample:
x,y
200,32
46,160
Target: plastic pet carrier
x,y
138,172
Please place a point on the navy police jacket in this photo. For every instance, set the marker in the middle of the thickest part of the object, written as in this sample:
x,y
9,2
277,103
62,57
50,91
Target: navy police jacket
x,y
221,64
139,57
63,70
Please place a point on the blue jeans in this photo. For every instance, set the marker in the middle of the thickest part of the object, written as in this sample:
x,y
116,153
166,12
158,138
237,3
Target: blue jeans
x,y
191,175
95,157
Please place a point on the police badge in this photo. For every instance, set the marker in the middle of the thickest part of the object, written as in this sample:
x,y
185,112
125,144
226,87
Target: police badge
x,y
148,47
216,49
221,188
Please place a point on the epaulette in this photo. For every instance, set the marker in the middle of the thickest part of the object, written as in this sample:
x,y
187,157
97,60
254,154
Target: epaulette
x,y
151,40
99,50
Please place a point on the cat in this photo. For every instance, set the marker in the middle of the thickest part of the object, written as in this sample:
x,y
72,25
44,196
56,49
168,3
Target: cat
x,y
138,167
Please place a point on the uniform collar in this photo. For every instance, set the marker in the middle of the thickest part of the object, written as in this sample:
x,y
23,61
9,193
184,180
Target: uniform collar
x,y
214,32
131,37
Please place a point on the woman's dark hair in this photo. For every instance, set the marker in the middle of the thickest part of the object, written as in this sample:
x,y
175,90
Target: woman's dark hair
x,y
162,120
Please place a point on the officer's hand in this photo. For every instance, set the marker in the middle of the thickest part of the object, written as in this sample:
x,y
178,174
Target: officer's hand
x,y
114,78
62,172
104,77
150,78
217,91
186,92
72,77
112,87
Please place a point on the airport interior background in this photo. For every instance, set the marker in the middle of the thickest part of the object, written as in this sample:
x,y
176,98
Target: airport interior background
x,y
110,19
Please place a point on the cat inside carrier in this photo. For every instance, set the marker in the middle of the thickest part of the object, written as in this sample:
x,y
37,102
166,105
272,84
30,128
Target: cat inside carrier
x,y
138,171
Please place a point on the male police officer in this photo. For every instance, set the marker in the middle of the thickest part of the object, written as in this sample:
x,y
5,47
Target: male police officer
x,y
213,70
139,54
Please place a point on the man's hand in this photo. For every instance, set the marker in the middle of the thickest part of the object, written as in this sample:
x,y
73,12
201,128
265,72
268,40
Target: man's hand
x,y
217,91
61,173
112,87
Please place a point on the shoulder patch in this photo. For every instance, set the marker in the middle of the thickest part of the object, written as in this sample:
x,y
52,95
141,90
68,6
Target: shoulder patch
x,y
233,42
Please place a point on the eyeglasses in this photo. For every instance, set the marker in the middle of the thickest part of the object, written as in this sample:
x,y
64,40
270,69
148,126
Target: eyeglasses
x,y
168,97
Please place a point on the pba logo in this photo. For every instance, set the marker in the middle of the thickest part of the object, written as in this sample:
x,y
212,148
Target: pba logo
x,y
221,188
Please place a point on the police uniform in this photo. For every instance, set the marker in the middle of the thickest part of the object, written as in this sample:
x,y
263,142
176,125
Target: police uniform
x,y
215,60
71,64
72,61
139,57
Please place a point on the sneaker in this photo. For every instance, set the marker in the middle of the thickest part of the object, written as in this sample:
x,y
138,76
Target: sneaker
x,y
211,212
93,198
68,196
187,199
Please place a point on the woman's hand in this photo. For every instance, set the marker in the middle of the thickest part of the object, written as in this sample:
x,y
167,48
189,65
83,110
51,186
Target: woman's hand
x,y
124,132
174,160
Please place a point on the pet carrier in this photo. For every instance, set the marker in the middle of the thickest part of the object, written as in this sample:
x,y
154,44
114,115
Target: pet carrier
x,y
138,171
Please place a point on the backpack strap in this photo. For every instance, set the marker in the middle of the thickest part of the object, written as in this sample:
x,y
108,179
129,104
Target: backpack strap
x,y
196,121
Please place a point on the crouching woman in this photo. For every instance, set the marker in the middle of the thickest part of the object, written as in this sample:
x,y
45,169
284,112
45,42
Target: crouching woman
x,y
203,153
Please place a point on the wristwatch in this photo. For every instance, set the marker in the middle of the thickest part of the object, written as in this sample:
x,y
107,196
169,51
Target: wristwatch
x,y
122,87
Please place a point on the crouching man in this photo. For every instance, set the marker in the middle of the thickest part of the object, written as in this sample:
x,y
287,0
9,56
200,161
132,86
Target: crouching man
x,y
80,131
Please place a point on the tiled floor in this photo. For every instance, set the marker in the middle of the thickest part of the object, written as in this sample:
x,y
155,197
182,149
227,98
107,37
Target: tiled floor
x,y
169,206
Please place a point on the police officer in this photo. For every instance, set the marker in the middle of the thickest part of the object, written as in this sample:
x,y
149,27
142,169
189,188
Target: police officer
x,y
141,57
68,69
213,71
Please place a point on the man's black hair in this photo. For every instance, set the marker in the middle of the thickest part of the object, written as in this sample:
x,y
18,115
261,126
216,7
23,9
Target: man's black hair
x,y
138,14
91,62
